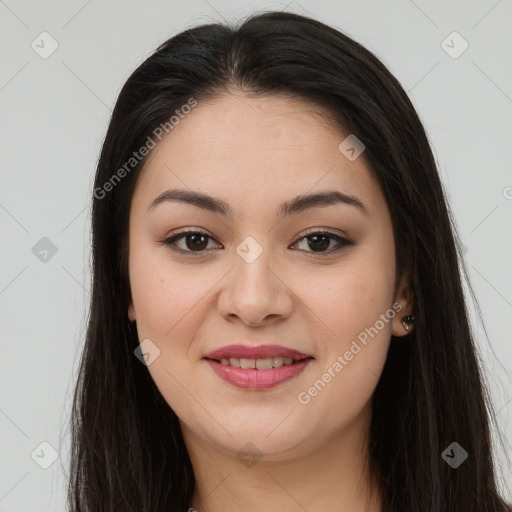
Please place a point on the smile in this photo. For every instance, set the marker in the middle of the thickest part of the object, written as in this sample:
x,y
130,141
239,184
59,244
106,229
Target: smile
x,y
256,374
257,367
258,364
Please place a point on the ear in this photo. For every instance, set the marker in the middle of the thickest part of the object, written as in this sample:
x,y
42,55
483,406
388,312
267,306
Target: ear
x,y
405,297
131,312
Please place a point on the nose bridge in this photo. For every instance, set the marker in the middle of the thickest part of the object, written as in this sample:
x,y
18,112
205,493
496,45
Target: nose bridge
x,y
252,270
253,291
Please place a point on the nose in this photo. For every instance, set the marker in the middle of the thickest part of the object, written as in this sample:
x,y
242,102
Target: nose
x,y
255,293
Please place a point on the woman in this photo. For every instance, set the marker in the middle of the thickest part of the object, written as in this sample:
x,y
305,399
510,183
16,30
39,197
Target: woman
x,y
277,318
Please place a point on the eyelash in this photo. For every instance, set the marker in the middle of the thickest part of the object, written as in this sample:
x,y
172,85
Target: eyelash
x,y
343,242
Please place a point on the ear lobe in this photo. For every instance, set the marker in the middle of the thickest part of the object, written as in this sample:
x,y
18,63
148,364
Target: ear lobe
x,y
402,324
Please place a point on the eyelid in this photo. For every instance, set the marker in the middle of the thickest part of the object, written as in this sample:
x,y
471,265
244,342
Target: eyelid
x,y
342,239
321,230
177,235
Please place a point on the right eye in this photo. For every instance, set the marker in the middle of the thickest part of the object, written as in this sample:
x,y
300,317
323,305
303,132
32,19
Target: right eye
x,y
194,241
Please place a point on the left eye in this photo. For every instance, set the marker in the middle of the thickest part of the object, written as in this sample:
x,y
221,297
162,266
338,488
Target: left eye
x,y
197,241
322,240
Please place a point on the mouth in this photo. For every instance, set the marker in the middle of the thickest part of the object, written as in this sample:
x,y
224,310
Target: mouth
x,y
257,368
258,364
239,352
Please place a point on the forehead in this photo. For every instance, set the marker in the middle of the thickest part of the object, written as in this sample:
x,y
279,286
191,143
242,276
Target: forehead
x,y
245,148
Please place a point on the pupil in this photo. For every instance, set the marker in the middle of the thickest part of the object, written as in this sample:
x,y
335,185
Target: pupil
x,y
195,246
323,245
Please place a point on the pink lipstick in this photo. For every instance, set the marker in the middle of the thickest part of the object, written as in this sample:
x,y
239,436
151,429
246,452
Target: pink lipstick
x,y
257,367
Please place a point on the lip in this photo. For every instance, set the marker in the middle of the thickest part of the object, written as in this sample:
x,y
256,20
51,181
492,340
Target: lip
x,y
256,352
253,379
258,380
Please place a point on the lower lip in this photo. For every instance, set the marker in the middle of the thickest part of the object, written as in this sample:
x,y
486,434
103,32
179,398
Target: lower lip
x,y
257,379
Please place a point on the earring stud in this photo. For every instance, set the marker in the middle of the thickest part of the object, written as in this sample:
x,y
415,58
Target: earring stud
x,y
408,321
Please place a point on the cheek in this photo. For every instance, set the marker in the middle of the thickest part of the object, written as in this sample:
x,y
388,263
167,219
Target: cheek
x,y
353,306
349,298
168,301
169,306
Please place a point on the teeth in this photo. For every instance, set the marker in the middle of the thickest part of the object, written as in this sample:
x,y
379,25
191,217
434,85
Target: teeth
x,y
277,362
260,364
247,363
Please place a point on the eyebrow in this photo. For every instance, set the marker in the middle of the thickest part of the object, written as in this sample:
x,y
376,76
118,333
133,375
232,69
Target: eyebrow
x,y
293,206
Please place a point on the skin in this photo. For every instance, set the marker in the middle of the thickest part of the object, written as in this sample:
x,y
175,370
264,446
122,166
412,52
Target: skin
x,y
254,154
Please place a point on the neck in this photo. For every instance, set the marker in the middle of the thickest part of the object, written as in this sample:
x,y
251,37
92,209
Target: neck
x,y
333,477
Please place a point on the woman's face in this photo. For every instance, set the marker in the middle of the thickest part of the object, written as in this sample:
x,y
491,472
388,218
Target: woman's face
x,y
256,275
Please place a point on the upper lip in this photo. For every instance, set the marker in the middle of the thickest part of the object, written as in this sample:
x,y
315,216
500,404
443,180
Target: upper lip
x,y
255,352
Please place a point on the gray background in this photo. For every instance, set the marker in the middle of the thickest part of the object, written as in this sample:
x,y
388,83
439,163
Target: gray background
x,y
54,115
